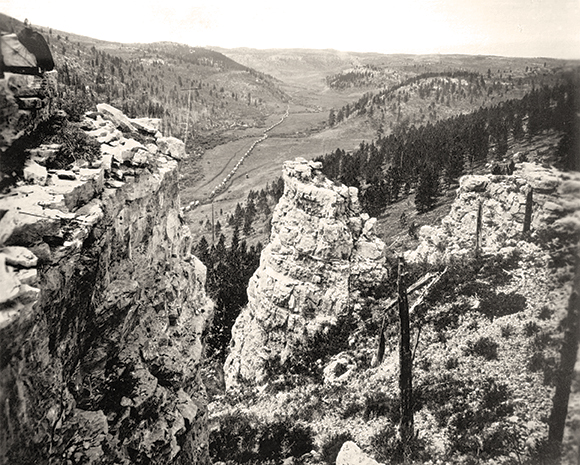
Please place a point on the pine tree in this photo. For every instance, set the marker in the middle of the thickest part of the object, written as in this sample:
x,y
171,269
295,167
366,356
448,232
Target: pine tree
x,y
331,118
455,163
427,189
238,215
202,251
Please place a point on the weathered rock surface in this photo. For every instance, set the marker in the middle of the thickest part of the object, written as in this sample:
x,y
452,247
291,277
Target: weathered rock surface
x,y
25,102
321,250
351,454
147,125
117,117
339,369
102,316
555,205
172,146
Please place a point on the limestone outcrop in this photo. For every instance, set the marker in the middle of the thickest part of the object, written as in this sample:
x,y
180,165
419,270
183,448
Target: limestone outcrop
x,y
102,312
554,204
321,250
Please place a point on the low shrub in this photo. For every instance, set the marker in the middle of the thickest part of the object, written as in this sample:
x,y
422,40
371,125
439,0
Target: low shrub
x,y
507,331
380,404
443,395
541,340
282,439
234,440
484,347
540,362
389,448
241,438
310,357
451,363
495,305
75,106
448,319
531,328
75,145
473,428
545,313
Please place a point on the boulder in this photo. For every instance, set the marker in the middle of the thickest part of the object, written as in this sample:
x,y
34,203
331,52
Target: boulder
x,y
19,256
66,175
7,224
147,125
35,173
172,146
141,158
9,283
473,183
351,454
340,367
117,117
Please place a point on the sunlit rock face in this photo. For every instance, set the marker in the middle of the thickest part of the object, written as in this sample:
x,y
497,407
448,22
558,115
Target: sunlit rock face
x,y
102,312
321,250
550,196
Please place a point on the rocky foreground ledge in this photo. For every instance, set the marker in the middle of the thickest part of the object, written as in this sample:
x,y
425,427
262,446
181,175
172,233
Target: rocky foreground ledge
x,y
102,307
321,250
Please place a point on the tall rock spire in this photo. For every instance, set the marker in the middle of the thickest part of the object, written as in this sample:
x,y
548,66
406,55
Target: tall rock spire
x,y
321,250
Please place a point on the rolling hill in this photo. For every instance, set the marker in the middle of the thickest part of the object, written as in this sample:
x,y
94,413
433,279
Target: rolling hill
x,y
190,88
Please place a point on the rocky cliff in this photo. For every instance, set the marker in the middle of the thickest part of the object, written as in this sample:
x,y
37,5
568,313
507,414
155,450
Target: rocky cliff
x,y
102,307
321,251
551,198
25,102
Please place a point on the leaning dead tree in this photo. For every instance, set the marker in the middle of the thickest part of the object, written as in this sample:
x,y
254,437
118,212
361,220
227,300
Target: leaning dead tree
x,y
405,361
424,284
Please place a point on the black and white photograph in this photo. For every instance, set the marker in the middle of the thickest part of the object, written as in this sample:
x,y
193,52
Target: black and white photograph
x,y
290,233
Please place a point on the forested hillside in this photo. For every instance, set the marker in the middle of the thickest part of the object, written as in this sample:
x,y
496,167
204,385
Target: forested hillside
x,y
429,156
191,89
420,98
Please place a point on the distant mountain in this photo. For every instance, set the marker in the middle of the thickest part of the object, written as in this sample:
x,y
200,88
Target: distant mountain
x,y
296,65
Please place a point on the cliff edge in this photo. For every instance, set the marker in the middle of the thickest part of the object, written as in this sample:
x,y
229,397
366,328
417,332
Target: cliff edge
x,y
102,307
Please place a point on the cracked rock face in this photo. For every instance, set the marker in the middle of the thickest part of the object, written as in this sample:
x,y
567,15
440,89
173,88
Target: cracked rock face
x,y
321,250
102,317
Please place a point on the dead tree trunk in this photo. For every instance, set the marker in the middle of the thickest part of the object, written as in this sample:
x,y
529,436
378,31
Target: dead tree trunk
x,y
568,353
478,230
405,360
528,213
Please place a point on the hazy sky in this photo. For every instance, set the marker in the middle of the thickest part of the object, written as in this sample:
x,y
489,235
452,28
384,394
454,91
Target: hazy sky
x,y
549,28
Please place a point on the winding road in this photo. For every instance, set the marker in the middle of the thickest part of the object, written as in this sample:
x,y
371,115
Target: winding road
x,y
225,183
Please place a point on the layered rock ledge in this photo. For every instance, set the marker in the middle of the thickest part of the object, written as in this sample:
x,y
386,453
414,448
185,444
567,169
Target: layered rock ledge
x,y
321,250
102,309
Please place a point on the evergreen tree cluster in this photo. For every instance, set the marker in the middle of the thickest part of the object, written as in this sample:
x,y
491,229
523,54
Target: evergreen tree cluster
x,y
229,270
257,203
361,76
422,157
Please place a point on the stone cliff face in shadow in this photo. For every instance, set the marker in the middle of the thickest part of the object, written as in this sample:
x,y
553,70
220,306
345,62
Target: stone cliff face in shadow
x,y
102,309
321,250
